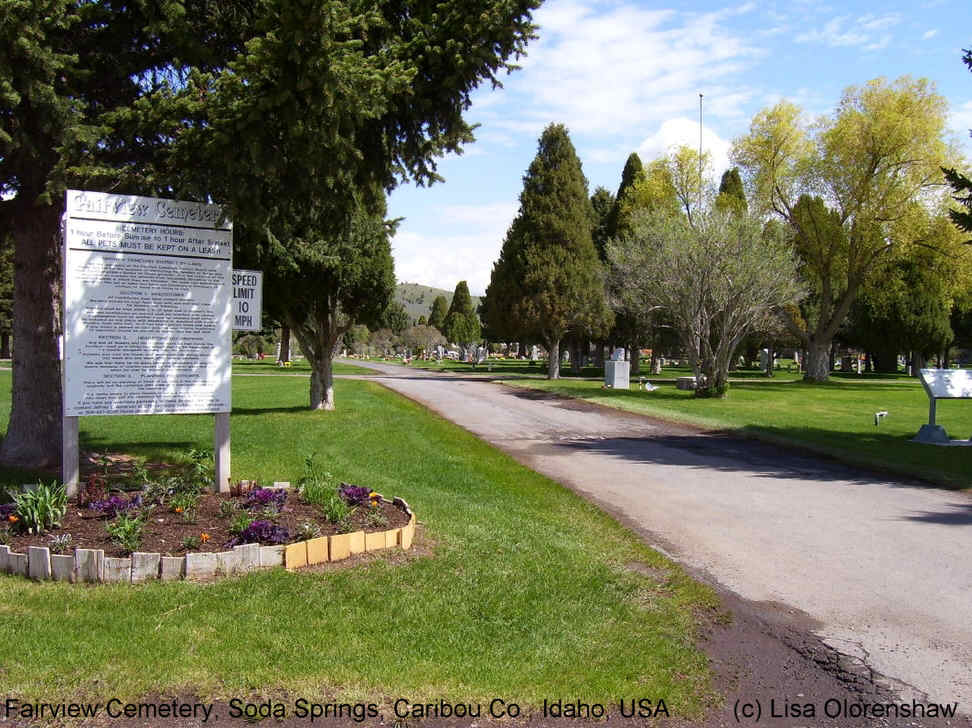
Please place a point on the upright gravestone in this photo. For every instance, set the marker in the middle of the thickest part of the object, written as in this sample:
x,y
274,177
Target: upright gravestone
x,y
147,313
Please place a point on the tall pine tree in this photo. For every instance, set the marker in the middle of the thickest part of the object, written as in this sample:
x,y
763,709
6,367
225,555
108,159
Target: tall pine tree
x,y
553,274
437,314
461,323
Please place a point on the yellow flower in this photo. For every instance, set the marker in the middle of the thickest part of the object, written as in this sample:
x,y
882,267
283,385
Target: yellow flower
x,y
12,518
204,537
178,509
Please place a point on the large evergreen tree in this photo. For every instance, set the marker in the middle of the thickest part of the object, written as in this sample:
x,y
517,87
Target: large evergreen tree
x,y
552,272
291,112
437,314
461,323
961,184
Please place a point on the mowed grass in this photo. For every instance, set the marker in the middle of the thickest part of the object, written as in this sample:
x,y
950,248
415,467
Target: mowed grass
x,y
299,366
525,591
835,419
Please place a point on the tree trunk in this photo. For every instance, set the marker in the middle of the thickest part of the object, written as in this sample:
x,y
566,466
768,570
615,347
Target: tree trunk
x,y
575,359
634,369
33,437
284,343
553,362
4,346
599,355
818,362
322,383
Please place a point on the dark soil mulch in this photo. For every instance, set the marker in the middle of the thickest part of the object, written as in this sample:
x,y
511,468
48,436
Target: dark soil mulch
x,y
165,531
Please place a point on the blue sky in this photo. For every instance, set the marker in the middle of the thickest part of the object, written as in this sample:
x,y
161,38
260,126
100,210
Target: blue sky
x,y
626,76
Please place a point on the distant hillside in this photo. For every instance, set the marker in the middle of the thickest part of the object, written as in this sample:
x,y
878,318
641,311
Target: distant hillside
x,y
417,299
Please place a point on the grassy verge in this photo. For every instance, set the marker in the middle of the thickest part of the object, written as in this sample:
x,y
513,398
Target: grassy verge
x,y
520,367
300,366
526,594
836,419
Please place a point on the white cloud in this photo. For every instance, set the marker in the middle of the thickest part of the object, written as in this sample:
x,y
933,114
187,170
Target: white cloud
x,y
607,69
961,119
466,242
929,34
682,131
843,31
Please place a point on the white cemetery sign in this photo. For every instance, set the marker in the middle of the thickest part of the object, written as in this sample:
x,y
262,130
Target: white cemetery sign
x,y
147,311
942,384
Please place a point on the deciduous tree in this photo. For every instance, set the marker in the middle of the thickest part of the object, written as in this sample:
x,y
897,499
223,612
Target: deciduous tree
x,y
854,187
715,276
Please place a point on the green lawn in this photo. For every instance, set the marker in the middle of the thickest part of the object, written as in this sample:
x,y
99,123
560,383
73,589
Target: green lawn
x,y
526,592
835,418
300,366
521,367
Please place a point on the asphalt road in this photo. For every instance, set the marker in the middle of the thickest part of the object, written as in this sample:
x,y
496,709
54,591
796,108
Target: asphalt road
x,y
882,568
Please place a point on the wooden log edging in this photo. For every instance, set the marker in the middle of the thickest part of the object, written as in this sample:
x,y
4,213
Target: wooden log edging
x,y
92,566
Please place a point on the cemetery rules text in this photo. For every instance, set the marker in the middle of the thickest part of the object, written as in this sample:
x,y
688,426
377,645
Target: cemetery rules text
x,y
147,306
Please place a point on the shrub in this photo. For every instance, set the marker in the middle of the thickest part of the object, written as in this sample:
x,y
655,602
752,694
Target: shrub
x,y
41,507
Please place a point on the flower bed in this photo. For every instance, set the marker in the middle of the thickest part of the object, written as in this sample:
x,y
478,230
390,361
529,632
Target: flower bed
x,y
169,528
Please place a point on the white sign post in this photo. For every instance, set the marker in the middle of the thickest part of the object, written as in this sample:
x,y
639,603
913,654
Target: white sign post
x,y
147,314
247,300
942,384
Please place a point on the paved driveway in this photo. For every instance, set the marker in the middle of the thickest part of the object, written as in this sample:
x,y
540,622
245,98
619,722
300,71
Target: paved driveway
x,y
884,568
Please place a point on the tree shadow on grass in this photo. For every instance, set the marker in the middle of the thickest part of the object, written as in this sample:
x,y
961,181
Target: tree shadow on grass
x,y
268,410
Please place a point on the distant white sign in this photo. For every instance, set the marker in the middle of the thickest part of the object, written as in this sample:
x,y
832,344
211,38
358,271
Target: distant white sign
x,y
247,300
147,306
947,383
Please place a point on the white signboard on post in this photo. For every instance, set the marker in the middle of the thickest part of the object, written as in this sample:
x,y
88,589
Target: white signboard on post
x,y
147,306
247,300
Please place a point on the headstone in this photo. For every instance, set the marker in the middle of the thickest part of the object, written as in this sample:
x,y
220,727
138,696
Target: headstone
x,y
659,363
39,562
618,354
617,374
4,552
764,359
534,352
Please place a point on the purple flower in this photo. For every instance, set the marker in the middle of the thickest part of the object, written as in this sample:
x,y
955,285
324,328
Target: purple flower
x,y
265,497
263,532
355,495
114,505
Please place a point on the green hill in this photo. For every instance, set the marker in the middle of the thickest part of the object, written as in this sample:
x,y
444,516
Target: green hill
x,y
417,299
